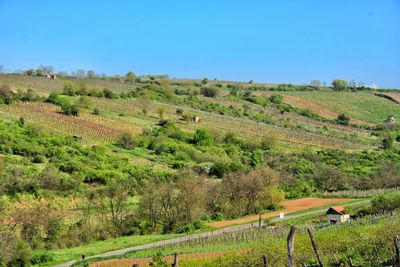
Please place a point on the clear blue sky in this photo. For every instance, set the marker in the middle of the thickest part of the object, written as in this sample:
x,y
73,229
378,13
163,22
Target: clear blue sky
x,y
268,41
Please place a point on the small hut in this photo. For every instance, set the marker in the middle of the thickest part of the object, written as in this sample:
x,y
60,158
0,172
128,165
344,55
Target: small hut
x,y
390,119
337,215
196,119
51,76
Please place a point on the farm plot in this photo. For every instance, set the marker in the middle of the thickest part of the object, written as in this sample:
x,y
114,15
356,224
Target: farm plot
x,y
90,127
43,84
360,106
289,206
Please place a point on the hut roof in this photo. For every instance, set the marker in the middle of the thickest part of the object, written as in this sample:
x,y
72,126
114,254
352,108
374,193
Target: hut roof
x,y
336,210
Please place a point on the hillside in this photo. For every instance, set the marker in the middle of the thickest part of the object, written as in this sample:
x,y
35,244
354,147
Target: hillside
x,y
100,156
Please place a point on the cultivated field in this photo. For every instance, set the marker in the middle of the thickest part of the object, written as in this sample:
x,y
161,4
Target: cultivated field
x,y
289,207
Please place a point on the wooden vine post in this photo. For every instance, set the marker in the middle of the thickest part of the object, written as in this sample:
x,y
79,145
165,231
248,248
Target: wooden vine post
x,y
265,261
314,244
176,260
290,246
397,248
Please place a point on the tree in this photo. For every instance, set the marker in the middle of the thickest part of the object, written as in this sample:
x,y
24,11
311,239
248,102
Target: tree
x,y
117,201
90,74
315,83
130,77
47,69
204,81
39,72
328,178
80,74
126,140
6,95
246,193
144,103
29,72
339,85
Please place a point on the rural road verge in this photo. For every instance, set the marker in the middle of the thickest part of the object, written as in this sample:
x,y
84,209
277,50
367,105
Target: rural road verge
x,y
193,237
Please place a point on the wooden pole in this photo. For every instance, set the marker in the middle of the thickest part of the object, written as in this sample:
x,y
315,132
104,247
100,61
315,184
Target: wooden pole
x,y
176,260
397,247
265,261
259,220
290,246
336,260
314,244
350,262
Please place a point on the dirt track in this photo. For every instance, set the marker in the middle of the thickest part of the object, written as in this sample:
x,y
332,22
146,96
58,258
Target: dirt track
x,y
290,206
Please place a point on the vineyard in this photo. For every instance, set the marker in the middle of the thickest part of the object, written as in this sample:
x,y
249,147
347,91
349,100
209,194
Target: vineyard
x,y
141,135
374,235
89,127
361,106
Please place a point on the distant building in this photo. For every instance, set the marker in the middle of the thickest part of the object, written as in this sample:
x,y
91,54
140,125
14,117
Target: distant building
x,y
52,76
337,215
390,119
196,119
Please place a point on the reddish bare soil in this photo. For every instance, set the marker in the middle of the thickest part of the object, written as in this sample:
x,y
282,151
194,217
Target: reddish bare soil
x,y
145,261
305,104
290,206
394,96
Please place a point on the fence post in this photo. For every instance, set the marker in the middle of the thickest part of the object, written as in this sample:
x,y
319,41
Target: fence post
x,y
290,246
314,244
350,262
397,247
336,260
265,261
176,260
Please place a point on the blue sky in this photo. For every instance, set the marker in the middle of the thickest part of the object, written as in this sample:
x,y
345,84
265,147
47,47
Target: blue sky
x,y
267,41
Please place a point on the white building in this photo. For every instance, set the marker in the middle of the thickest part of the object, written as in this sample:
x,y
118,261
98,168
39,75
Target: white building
x,y
337,215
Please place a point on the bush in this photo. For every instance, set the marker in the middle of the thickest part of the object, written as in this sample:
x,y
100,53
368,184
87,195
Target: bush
x,y
108,93
276,99
343,119
218,216
70,88
210,91
202,137
69,109
126,140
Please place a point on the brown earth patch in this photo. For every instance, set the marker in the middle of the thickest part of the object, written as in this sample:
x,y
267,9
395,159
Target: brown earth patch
x,y
289,206
394,96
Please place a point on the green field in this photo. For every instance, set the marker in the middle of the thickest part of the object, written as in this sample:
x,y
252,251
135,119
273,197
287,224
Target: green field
x,y
67,254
